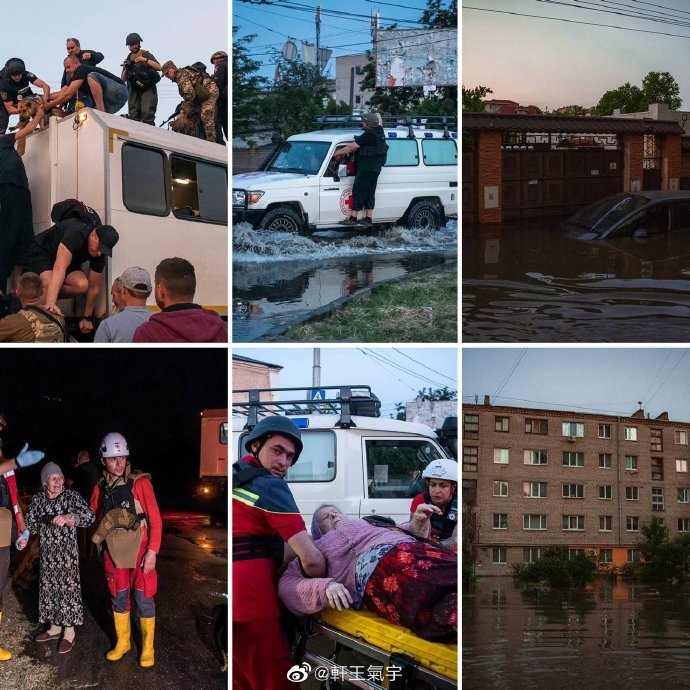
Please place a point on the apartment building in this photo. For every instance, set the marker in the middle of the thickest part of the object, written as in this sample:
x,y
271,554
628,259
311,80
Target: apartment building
x,y
535,478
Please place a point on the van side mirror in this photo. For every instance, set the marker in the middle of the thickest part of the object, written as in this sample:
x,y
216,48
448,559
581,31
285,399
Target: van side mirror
x,y
342,170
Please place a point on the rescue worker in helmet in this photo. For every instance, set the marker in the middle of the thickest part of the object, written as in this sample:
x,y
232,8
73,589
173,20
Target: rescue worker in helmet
x,y
130,554
15,85
441,491
267,532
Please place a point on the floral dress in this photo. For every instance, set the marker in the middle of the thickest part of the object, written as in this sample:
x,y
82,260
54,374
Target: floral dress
x,y
59,591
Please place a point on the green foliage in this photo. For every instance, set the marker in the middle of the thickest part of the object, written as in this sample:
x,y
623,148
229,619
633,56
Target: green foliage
x,y
246,86
337,108
444,393
663,560
573,110
436,17
657,87
557,569
473,99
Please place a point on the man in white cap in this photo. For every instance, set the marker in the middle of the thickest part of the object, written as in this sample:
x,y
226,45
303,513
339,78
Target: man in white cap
x,y
120,327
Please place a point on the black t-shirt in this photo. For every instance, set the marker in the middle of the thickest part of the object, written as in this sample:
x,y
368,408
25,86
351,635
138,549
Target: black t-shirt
x,y
83,71
11,166
74,234
10,89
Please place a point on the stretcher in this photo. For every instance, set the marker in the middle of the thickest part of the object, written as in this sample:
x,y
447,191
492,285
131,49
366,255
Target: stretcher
x,y
398,658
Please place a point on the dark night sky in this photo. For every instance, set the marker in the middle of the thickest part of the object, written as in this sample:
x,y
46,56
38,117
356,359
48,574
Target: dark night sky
x,y
63,401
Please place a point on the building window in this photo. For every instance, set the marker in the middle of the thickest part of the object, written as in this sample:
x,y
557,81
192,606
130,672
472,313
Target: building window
x,y
470,457
573,490
657,499
534,522
532,554
632,556
499,554
631,463
656,441
632,524
605,556
632,493
574,522
658,469
605,492
574,553
605,461
684,524
500,488
604,431
199,190
501,456
631,433
537,426
502,423
500,520
534,490
470,427
575,429
535,457
605,523
573,459
680,438
358,100
681,465
683,495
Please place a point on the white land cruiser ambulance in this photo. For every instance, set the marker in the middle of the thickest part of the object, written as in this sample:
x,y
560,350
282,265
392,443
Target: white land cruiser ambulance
x,y
302,188
364,464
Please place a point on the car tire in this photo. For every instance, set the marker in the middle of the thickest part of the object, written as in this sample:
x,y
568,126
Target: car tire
x,y
281,219
424,214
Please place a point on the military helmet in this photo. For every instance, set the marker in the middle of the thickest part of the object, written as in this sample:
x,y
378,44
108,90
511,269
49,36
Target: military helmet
x,y
219,54
442,469
133,39
114,445
276,425
15,66
199,65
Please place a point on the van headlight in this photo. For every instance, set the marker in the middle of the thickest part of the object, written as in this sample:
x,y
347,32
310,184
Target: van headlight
x,y
239,197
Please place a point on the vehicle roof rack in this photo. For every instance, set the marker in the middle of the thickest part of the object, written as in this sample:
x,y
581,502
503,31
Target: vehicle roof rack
x,y
345,401
447,123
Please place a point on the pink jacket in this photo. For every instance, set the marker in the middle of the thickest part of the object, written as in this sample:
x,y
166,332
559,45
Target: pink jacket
x,y
341,548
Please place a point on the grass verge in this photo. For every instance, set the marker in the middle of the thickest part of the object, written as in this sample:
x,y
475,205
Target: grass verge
x,y
421,308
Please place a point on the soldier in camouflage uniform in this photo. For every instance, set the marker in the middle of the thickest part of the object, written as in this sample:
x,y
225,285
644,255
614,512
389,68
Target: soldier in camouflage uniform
x,y
199,99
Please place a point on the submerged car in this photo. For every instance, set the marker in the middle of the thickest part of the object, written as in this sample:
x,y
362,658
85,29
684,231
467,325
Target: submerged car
x,y
631,214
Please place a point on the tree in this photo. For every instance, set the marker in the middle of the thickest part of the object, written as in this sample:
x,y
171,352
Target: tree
x,y
663,560
473,99
573,110
298,97
444,393
558,569
657,87
246,86
627,98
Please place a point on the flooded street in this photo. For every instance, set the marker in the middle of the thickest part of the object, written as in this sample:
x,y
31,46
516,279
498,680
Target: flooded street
x,y
531,283
614,635
280,278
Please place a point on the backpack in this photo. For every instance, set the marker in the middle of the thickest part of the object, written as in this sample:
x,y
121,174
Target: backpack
x,y
73,208
46,327
204,86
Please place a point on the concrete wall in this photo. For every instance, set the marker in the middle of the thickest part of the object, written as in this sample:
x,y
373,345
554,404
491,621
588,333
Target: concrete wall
x,y
345,80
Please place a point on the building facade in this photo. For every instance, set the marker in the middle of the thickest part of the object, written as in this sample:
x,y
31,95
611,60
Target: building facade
x,y
536,478
349,72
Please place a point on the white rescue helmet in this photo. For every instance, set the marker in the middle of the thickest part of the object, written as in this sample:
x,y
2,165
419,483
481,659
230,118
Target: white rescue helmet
x,y
442,468
114,445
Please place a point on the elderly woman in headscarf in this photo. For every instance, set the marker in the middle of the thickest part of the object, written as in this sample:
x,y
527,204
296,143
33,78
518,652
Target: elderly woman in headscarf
x,y
407,581
54,514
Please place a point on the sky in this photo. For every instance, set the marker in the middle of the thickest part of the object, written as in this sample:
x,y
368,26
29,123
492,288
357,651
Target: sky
x,y
273,24
170,31
63,400
394,374
551,63
609,380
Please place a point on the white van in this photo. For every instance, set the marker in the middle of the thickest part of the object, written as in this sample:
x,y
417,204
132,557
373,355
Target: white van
x,y
364,464
164,192
303,188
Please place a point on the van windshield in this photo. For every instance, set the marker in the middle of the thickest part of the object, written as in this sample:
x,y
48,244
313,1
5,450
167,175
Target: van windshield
x,y
304,157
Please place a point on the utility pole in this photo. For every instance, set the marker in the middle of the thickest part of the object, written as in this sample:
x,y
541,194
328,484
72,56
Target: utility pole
x,y
318,39
316,371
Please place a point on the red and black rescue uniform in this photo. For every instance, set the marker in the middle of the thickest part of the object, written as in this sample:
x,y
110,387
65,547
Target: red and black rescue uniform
x,y
442,526
264,516
136,495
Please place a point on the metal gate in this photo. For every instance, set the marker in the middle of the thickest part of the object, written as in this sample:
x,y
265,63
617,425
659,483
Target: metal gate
x,y
558,182
651,163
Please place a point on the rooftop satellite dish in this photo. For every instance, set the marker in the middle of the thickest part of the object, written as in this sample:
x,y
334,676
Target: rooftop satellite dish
x,y
290,50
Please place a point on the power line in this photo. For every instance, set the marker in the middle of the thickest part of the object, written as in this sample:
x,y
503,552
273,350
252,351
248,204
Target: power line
x,y
680,359
510,373
566,405
425,366
668,354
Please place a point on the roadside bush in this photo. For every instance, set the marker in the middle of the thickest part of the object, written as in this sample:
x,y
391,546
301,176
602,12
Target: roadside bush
x,y
557,568
663,560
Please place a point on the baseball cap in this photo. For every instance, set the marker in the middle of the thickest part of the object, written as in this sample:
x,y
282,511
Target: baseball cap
x,y
167,65
138,280
108,239
370,118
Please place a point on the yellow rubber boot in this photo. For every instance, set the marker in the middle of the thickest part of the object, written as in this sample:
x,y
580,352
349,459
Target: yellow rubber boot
x,y
4,654
123,631
148,627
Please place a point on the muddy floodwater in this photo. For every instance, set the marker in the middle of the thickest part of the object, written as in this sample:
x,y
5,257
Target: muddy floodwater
x,y
279,279
614,635
529,282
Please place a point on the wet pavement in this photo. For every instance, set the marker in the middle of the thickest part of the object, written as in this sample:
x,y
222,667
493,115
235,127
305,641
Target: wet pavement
x,y
192,590
531,283
280,279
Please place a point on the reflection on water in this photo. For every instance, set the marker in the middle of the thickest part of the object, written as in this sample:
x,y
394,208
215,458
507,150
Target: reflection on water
x,y
531,282
613,635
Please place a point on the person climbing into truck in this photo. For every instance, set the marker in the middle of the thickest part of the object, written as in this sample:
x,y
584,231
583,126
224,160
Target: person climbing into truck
x,y
441,491
267,531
